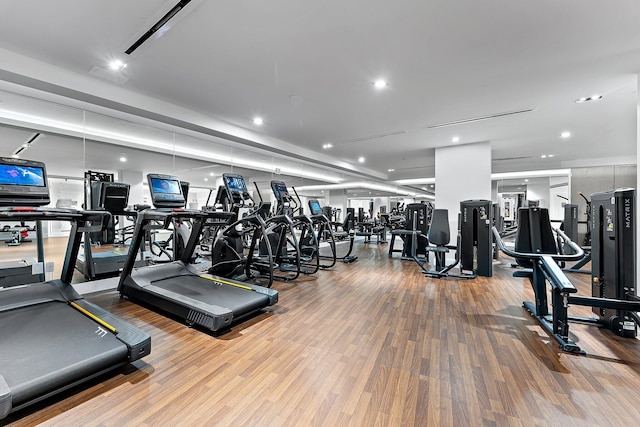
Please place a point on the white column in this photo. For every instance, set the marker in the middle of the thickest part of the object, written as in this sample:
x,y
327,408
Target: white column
x,y
463,172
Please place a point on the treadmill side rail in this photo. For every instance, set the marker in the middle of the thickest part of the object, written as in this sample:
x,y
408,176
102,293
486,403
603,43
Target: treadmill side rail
x,y
137,341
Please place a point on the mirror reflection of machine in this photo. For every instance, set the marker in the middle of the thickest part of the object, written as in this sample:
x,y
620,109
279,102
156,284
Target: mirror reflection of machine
x,y
103,255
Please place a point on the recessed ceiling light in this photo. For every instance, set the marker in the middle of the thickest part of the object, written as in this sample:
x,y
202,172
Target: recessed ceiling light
x,y
455,139
551,155
565,134
589,98
123,159
431,186
380,84
361,159
258,121
544,156
327,145
391,170
117,65
210,173
526,180
206,179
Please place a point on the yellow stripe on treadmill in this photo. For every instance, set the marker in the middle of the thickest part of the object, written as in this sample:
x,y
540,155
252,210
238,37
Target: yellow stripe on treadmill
x,y
224,282
93,316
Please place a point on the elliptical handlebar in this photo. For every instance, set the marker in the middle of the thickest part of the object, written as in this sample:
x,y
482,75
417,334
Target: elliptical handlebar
x,y
537,256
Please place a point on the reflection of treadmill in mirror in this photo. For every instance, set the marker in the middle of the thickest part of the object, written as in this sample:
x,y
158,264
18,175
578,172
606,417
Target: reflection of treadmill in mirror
x,y
178,287
102,193
51,338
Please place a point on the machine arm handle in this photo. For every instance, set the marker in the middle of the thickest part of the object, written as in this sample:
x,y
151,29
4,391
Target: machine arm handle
x,y
579,253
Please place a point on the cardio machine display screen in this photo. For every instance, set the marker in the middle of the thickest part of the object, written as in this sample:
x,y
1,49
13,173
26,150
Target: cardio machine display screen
x,y
29,176
279,189
315,207
236,184
165,186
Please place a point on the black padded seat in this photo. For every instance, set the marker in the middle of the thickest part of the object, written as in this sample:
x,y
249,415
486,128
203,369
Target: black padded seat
x,y
341,234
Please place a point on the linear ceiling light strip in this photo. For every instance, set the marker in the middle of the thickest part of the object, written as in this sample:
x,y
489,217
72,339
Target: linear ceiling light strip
x,y
478,119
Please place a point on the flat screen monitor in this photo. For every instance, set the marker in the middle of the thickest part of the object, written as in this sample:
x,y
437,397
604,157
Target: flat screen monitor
x,y
235,183
114,197
279,189
315,207
166,191
23,183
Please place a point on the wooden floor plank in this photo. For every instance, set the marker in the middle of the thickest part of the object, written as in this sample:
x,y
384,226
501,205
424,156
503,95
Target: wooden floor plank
x,y
369,343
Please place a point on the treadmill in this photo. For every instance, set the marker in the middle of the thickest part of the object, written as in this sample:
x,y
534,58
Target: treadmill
x,y
51,339
177,287
102,193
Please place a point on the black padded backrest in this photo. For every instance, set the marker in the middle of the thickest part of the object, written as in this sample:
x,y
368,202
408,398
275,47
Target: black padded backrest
x,y
346,224
439,232
534,234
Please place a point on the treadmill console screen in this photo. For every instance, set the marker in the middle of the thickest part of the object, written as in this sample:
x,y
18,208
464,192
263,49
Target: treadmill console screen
x,y
165,191
113,196
23,183
315,208
279,189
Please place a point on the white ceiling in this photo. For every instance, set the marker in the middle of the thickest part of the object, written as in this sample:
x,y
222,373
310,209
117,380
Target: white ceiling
x,y
307,69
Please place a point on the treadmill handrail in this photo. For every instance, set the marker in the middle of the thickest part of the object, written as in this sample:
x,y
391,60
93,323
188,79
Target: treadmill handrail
x,y
536,256
53,214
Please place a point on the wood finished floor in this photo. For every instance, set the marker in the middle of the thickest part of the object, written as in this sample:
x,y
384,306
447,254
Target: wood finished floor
x,y
371,343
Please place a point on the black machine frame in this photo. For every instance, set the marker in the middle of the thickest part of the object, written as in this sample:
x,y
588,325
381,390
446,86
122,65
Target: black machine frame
x,y
617,311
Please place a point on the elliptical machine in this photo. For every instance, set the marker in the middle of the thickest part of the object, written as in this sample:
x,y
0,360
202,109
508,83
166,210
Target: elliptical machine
x,y
308,245
228,258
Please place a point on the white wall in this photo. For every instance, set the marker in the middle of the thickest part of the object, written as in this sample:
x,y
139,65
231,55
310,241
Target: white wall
x,y
463,172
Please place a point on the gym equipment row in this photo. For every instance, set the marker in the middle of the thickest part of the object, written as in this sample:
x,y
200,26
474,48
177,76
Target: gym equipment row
x,y
613,299
427,230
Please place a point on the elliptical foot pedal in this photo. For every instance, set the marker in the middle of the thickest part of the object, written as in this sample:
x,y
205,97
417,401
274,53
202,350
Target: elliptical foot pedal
x,y
350,259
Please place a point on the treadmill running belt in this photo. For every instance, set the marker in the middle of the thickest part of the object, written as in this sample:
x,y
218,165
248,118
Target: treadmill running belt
x,y
47,346
239,301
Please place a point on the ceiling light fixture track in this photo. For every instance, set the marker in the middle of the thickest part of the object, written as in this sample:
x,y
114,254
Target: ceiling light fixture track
x,y
157,26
